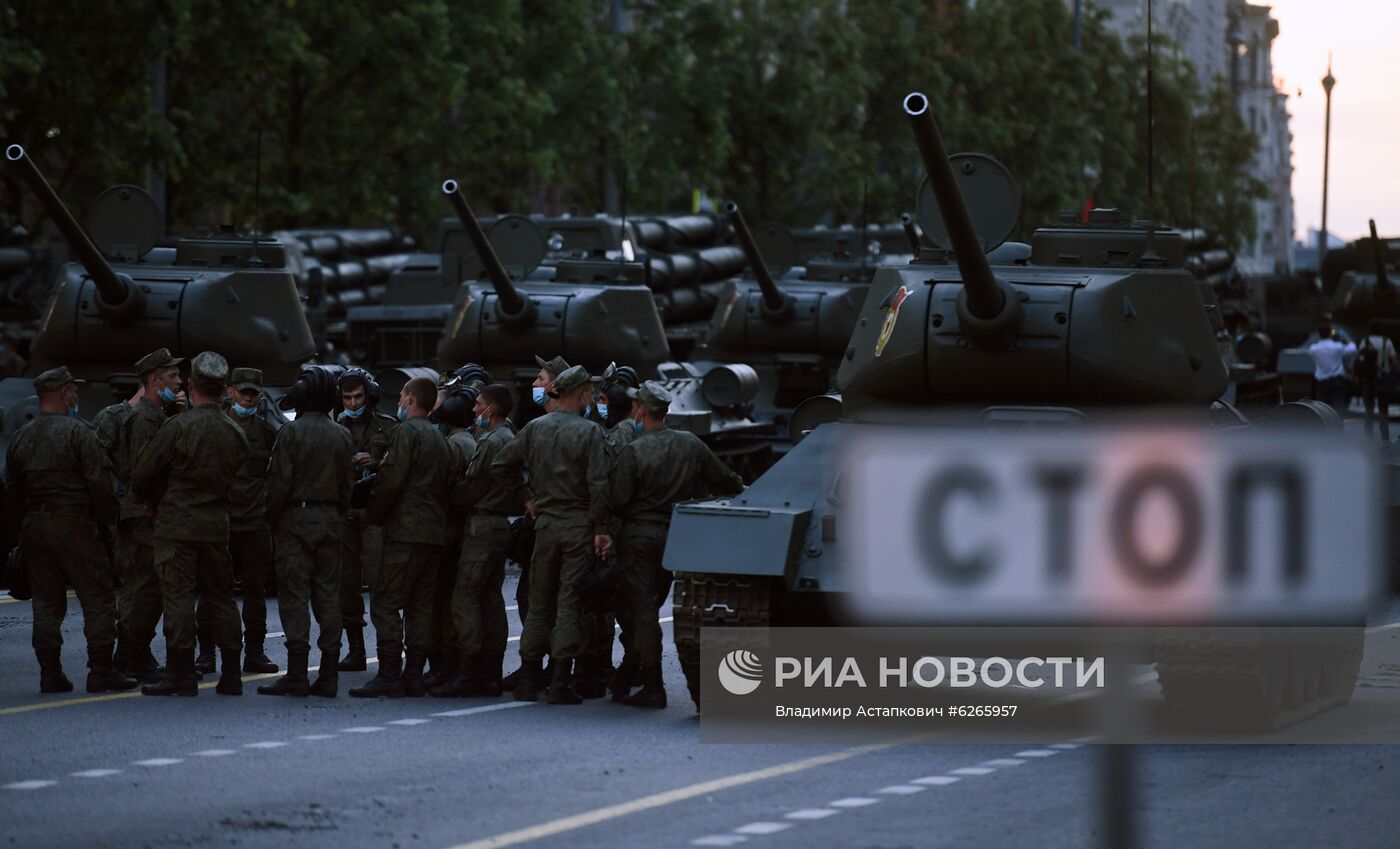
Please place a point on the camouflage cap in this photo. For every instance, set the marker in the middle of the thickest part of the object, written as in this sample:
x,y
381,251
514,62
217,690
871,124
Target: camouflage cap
x,y
651,395
572,378
246,378
556,366
209,366
159,358
55,379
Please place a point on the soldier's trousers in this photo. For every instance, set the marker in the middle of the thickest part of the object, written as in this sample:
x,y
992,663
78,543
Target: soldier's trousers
x,y
361,552
194,571
139,602
640,547
444,629
563,555
401,599
478,607
251,554
308,573
64,549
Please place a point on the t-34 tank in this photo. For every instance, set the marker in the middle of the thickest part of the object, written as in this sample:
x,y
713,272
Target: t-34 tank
x,y
1098,318
124,298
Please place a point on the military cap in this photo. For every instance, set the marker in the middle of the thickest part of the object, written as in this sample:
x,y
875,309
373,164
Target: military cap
x,y
246,378
209,366
55,379
556,366
572,378
651,395
159,358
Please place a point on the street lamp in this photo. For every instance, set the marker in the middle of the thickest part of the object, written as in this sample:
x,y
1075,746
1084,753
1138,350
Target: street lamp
x,y
1327,84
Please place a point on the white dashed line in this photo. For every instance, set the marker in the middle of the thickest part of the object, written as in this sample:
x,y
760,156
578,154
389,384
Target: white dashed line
x,y
408,721
276,634
852,802
159,762
812,814
974,770
902,789
1003,762
32,784
1065,745
1037,753
213,753
362,729
483,709
266,744
94,773
719,840
937,780
763,828
316,737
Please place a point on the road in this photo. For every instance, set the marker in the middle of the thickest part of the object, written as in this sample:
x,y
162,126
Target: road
x,y
120,770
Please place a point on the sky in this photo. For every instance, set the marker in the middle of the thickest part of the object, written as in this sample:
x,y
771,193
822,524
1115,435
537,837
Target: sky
x,y
1364,37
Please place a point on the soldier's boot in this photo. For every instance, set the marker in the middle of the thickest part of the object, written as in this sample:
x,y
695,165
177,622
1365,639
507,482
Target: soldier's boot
x,y
254,658
328,679
102,678
561,688
464,683
180,679
489,673
588,677
653,691
526,677
446,666
413,675
205,663
624,679
231,680
388,681
51,677
354,660
139,663
294,683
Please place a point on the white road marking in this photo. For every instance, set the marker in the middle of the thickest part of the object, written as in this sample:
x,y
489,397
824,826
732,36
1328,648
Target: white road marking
x,y
315,736
937,780
266,744
719,840
483,709
1037,753
1065,745
763,828
1003,762
812,814
94,773
159,762
408,721
362,729
213,753
902,789
32,784
974,770
852,802
276,634
1379,628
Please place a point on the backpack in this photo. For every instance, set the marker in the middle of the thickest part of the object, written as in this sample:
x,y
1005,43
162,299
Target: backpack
x,y
1367,367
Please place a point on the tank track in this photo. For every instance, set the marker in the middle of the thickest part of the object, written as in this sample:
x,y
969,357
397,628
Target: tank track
x,y
714,601
1256,679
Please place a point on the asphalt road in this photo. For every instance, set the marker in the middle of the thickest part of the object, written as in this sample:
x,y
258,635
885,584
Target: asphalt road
x,y
127,771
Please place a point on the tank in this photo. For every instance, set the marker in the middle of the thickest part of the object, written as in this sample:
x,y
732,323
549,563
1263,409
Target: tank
x,y
124,297
957,334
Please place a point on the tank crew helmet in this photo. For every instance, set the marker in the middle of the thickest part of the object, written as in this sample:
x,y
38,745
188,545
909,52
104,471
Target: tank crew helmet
x,y
356,376
315,391
616,380
470,374
456,409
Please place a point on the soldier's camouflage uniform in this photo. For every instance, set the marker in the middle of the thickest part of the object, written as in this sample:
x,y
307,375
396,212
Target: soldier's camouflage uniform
x,y
187,471
616,438
308,495
655,471
463,446
562,453
362,542
107,425
479,610
58,477
139,602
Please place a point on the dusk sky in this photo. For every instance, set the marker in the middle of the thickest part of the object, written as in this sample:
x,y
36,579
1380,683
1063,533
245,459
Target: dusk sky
x,y
1365,180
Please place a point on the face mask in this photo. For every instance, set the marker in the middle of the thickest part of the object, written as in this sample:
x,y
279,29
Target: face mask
x,y
587,410
73,411
638,426
603,411
537,395
354,414
242,411
403,414
166,394
483,422
441,428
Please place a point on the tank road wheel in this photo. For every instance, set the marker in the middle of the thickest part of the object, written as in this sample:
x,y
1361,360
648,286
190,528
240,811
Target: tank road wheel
x,y
1248,679
705,601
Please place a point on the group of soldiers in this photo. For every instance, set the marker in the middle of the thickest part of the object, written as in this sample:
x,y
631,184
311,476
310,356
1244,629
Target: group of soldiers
x,y
166,499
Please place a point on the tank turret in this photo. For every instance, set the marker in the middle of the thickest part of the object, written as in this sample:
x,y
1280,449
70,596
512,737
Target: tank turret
x,y
777,304
511,307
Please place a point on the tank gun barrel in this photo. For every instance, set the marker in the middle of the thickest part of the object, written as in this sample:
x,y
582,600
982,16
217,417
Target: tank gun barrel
x,y
777,304
513,306
117,296
910,234
985,298
1382,277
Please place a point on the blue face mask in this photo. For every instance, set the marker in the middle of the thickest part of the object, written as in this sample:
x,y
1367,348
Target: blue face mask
x,y
587,410
166,394
242,411
73,411
354,414
537,395
403,414
603,411
483,422
639,427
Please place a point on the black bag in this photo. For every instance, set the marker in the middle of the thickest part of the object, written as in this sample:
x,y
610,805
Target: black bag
x,y
1367,365
599,585
520,541
17,574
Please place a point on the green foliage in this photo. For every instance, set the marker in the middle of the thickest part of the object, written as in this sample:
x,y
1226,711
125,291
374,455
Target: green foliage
x,y
790,107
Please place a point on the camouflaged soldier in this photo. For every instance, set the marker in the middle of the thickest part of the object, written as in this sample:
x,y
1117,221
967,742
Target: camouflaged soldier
x,y
308,495
453,418
563,455
249,538
58,489
478,608
187,471
660,467
139,603
614,413
410,500
362,543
